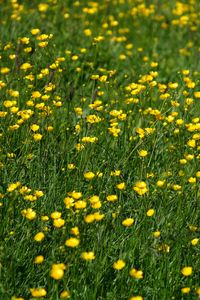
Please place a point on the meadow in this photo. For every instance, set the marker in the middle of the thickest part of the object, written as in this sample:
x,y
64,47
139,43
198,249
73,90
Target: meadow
x,y
100,150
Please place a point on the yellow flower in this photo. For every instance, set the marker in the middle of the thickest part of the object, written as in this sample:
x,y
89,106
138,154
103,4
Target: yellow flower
x,y
38,292
5,70
13,186
136,273
160,183
56,215
128,222
65,295
143,153
87,32
121,186
136,298
39,237
156,234
74,230
38,193
36,95
119,264
35,31
115,173
89,218
37,137
185,290
140,188
186,271
89,175
25,66
197,94
150,212
39,259
112,198
194,242
71,166
75,195
58,223
29,213
72,242
57,271
88,255
42,7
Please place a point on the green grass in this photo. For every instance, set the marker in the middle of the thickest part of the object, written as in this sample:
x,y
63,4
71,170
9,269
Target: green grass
x,y
137,49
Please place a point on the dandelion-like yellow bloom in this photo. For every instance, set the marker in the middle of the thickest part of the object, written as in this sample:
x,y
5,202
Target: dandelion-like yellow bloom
x,y
150,212
194,242
38,292
140,188
39,237
138,274
88,255
112,198
57,271
128,222
119,264
185,290
136,298
89,175
58,223
39,259
72,242
186,271
65,294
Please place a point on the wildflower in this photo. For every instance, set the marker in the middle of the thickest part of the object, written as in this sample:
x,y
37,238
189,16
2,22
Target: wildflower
x,y
194,242
112,198
140,188
89,175
65,294
39,237
57,271
186,271
72,242
37,137
197,94
87,32
74,230
38,292
88,255
71,166
136,298
25,66
39,259
35,31
89,218
156,234
136,273
56,215
121,186
119,264
185,290
164,247
150,212
29,213
75,195
13,186
160,183
143,153
128,222
58,223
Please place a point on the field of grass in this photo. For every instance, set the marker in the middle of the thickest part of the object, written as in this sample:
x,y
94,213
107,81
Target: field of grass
x,y
100,150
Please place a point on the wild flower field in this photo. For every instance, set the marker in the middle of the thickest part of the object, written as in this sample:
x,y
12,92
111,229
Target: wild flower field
x,y
100,150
